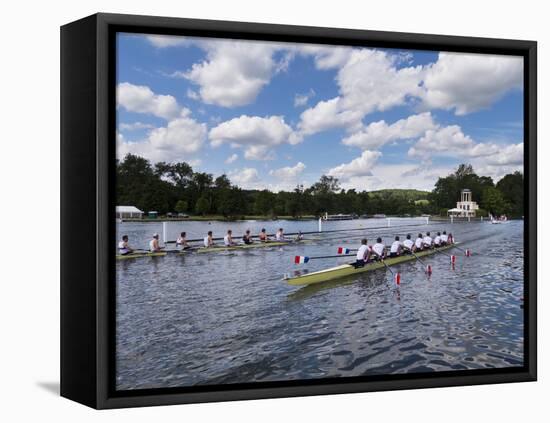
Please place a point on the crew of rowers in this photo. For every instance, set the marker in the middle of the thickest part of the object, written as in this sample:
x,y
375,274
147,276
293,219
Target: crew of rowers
x,y
229,241
208,241
378,251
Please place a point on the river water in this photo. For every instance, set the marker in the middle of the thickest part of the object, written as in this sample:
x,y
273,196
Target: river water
x,y
227,317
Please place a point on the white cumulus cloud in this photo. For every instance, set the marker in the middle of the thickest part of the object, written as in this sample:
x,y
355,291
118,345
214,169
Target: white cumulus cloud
x,y
141,99
231,158
377,134
135,126
469,82
164,41
361,166
288,173
247,178
233,72
178,141
255,134
301,100
450,141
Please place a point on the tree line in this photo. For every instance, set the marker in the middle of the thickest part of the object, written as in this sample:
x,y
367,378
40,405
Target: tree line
x,y
176,187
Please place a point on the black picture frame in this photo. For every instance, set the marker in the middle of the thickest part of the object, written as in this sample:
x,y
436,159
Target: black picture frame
x,y
88,119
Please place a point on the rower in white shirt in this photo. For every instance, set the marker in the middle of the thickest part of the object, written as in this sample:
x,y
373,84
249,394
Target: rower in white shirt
x,y
395,249
363,254
419,243
379,249
154,245
280,236
437,240
208,240
228,239
408,244
181,242
427,241
444,238
123,246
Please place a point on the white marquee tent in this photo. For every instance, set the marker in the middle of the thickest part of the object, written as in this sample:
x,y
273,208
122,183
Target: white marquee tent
x,y
128,212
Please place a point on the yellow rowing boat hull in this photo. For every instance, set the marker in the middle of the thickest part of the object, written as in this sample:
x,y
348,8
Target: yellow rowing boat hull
x,y
139,255
348,269
247,246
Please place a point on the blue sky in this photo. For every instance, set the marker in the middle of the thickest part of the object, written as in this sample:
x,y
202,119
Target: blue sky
x,y
274,115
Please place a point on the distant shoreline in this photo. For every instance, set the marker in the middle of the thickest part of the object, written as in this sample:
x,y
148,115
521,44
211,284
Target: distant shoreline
x,y
216,218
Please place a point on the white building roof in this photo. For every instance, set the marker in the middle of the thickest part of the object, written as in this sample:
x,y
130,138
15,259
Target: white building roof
x,y
127,209
456,209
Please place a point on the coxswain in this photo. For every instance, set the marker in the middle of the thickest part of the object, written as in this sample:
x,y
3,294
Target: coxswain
x,y
123,246
154,245
363,254
208,240
379,249
450,239
280,236
395,249
408,244
228,239
247,238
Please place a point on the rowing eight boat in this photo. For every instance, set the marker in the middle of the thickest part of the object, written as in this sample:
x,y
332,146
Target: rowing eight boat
x,y
214,249
245,246
348,269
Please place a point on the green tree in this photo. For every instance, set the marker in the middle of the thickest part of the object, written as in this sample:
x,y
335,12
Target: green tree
x,y
511,187
493,201
326,185
264,203
202,206
181,206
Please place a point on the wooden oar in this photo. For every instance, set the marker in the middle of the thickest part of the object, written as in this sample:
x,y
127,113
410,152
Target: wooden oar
x,y
305,259
428,267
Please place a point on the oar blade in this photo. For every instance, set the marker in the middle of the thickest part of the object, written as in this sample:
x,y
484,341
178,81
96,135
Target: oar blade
x,y
343,250
300,259
397,278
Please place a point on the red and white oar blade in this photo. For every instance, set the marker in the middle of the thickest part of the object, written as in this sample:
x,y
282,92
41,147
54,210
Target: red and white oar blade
x,y
300,259
468,253
397,278
429,269
343,250
453,259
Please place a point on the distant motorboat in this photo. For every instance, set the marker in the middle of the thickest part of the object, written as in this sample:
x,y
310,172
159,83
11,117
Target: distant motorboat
x,y
379,216
339,216
498,220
